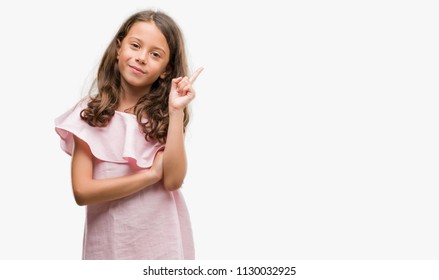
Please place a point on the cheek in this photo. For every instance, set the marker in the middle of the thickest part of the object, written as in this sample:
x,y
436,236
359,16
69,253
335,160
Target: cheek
x,y
119,65
156,66
124,53
120,52
164,68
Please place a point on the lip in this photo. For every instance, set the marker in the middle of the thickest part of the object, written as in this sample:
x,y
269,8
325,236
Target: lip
x,y
137,70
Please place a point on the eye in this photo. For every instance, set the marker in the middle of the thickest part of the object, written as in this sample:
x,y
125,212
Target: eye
x,y
155,54
135,45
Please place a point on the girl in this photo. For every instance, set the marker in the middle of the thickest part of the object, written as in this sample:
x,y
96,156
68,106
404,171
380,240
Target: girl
x,y
127,145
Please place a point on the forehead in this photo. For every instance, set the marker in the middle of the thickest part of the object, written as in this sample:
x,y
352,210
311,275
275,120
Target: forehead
x,y
148,33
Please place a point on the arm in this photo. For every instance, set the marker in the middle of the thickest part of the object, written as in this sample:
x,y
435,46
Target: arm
x,y
174,156
88,190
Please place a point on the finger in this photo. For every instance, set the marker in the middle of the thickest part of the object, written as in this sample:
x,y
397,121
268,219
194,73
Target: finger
x,y
195,75
187,88
175,82
183,81
182,84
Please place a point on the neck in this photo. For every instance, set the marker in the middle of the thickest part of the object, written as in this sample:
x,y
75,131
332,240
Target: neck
x,y
134,91
129,96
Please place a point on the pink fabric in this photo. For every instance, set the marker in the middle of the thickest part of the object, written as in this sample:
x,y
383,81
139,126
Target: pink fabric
x,y
150,224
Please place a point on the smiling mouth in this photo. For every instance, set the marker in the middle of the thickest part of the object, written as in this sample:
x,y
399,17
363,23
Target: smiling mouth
x,y
137,70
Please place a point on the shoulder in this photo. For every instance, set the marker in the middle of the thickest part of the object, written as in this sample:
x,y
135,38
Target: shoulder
x,y
76,108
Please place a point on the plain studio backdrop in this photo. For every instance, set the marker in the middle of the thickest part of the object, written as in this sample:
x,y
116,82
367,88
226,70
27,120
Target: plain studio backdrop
x,y
314,133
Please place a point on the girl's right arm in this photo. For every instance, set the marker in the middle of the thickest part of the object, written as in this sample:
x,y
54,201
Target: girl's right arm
x,y
88,190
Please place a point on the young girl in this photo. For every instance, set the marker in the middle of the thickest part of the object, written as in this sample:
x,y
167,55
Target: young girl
x,y
127,145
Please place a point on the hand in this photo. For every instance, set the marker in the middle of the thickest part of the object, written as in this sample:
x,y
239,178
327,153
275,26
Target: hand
x,y
182,92
157,166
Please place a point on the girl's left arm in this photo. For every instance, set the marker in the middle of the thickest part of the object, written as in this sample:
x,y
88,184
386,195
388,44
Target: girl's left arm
x,y
174,156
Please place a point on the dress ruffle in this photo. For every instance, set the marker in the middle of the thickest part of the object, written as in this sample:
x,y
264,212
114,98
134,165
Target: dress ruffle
x,y
123,137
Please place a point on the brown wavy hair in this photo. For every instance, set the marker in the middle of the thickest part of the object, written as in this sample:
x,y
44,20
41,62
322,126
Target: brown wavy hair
x,y
153,106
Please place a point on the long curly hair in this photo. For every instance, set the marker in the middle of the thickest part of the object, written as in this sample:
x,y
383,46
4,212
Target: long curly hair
x,y
152,108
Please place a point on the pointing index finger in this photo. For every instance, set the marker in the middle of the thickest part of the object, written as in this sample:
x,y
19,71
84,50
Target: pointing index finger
x,y
195,75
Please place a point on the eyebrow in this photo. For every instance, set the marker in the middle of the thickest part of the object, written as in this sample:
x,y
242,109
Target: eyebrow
x,y
154,47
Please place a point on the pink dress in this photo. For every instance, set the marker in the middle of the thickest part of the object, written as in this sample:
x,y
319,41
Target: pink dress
x,y
150,224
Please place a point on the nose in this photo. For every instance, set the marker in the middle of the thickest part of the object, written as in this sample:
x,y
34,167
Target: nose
x,y
141,58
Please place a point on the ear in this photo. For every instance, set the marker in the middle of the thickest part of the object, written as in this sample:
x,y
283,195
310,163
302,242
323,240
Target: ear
x,y
118,48
165,73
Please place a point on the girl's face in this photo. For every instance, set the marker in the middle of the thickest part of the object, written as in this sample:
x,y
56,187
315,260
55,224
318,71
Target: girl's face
x,y
142,56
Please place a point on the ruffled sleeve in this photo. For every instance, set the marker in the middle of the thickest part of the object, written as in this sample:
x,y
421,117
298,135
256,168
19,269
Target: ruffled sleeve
x,y
121,141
